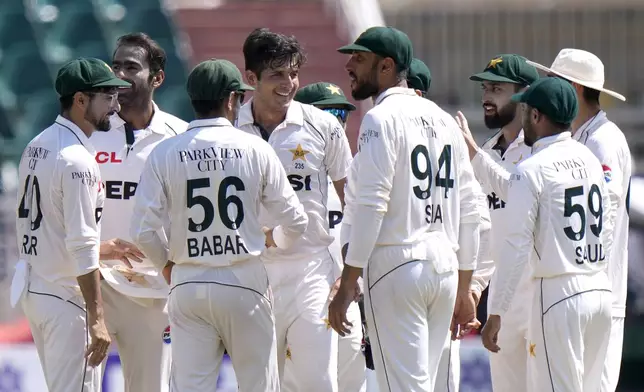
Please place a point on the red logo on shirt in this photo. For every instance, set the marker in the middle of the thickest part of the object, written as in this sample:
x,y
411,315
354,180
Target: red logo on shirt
x,y
105,157
608,175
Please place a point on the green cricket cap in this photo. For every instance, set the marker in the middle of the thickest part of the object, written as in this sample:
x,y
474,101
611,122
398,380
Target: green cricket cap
x,y
385,42
508,68
323,93
419,77
554,97
214,79
85,74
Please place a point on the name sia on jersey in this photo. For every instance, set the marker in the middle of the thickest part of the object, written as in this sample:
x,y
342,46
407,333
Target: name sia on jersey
x,y
208,160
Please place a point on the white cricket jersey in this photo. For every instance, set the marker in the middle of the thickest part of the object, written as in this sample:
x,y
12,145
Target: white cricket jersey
x,y
609,145
59,204
412,177
560,219
493,169
312,147
121,166
212,181
334,206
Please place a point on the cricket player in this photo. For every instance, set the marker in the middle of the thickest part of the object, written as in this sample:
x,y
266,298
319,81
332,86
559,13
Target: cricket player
x,y
58,213
412,206
134,293
449,370
561,224
592,128
210,182
351,362
312,147
493,164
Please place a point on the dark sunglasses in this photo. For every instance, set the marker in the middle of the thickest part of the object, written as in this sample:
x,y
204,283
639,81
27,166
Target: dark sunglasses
x,y
339,113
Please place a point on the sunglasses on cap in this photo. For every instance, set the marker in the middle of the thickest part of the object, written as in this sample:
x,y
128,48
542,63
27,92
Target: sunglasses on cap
x,y
339,113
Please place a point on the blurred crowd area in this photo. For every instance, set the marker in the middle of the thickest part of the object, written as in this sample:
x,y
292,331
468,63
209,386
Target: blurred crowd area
x,y
454,37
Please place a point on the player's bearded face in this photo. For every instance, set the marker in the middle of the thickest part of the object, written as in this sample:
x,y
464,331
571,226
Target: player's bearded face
x,y
101,107
364,76
529,133
498,110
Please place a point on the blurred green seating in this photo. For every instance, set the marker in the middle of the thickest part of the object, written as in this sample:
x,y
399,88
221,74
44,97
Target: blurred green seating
x,y
74,34
23,71
175,71
174,100
67,5
132,4
39,112
15,29
153,22
11,5
6,126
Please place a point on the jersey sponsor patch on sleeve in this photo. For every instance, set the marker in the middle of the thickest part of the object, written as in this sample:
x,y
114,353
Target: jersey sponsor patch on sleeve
x,y
608,175
166,335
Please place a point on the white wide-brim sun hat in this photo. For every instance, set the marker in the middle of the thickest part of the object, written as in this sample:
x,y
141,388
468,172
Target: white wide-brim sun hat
x,y
581,67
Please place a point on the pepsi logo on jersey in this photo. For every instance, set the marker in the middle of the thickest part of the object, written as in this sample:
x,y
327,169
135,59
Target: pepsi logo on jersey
x,y
166,335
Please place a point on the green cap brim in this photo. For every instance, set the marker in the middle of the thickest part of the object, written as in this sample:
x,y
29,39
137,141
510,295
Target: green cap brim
x,y
114,82
490,77
348,49
334,101
245,87
517,97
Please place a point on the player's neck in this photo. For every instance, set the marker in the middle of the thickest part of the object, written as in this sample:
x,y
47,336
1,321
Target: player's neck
x,y
268,118
586,112
511,132
400,83
138,116
80,122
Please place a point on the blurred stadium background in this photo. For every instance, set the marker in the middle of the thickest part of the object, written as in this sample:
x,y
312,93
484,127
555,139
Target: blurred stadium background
x,y
454,37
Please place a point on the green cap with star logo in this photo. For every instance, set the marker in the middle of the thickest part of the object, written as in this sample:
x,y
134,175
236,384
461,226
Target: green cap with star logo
x,y
323,93
508,68
554,97
214,79
84,74
385,42
419,77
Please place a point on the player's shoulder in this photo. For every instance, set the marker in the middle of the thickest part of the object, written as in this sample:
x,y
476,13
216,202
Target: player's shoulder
x,y
323,121
173,124
605,138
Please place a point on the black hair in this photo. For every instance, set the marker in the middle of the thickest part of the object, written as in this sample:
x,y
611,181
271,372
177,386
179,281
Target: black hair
x,y
66,102
591,95
205,109
156,56
264,49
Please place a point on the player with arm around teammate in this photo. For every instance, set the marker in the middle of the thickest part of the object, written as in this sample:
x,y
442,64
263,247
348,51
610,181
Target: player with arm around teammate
x,y
405,223
562,224
351,362
135,294
57,222
312,147
592,128
211,182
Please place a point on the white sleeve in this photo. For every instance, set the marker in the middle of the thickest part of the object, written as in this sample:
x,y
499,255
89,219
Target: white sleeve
x,y
281,203
522,209
485,263
81,212
374,176
150,213
490,172
349,195
469,191
337,153
609,216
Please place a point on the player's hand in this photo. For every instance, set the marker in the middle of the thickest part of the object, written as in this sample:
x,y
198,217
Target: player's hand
x,y
464,319
490,333
336,287
167,271
118,249
100,341
270,242
476,297
467,134
338,310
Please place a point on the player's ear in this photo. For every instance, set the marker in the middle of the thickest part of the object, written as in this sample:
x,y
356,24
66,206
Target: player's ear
x,y
251,78
230,104
158,78
81,99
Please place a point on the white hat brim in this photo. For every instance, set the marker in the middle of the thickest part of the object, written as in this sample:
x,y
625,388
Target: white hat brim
x,y
575,80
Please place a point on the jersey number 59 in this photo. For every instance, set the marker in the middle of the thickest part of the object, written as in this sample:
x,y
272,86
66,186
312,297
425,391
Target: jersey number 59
x,y
594,206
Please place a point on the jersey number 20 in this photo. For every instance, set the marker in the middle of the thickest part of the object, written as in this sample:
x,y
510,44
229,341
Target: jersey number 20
x,y
223,202
420,153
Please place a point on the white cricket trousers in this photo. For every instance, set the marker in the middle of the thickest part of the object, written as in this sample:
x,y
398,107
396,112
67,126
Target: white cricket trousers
x,y
409,307
58,324
212,309
613,362
138,332
448,378
307,346
568,333
352,369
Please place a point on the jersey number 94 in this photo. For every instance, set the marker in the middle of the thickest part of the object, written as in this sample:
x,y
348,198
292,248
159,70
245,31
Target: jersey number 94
x,y
421,168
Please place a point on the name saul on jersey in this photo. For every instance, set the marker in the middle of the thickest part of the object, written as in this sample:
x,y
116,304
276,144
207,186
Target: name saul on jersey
x,y
208,160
